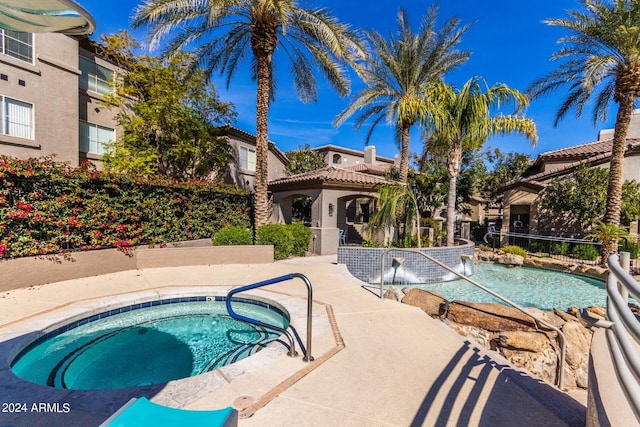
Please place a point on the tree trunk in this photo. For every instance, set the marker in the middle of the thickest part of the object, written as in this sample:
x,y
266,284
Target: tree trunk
x,y
262,142
404,153
451,210
453,169
614,188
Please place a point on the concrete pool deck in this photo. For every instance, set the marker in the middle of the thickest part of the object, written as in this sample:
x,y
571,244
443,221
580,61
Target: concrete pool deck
x,y
377,362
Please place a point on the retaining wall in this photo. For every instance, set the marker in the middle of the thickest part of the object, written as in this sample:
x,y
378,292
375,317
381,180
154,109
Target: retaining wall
x,y
365,263
31,271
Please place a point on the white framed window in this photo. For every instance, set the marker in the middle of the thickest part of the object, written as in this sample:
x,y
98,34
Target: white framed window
x,y
248,159
17,44
95,77
17,118
94,137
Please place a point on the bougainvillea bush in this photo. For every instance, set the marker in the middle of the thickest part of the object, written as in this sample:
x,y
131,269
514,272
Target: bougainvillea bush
x,y
48,207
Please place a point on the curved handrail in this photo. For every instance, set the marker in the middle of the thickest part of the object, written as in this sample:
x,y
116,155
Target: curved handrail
x,y
563,342
624,328
292,348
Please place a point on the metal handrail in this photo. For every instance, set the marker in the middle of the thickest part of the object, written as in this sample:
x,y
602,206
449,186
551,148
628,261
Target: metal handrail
x,y
563,342
292,348
624,327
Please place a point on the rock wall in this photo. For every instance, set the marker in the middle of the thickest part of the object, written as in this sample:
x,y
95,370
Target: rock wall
x,y
514,334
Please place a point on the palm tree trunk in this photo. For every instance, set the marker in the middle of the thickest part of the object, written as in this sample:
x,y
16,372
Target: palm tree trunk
x,y
453,169
404,153
262,142
451,210
614,188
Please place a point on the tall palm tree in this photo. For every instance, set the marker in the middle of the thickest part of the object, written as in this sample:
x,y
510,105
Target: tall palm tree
x,y
223,33
602,53
468,125
402,75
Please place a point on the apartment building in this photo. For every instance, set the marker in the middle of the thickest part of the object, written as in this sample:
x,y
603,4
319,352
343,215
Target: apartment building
x,y
50,87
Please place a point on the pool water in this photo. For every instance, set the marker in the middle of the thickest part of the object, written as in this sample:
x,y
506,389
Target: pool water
x,y
528,287
147,346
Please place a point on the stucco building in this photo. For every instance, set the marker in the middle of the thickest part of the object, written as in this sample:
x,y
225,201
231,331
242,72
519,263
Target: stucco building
x,y
522,209
50,85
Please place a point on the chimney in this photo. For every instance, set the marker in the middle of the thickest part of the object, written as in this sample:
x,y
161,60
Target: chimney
x,y
396,161
370,155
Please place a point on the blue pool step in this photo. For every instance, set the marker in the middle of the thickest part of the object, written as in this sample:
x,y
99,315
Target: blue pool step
x,y
142,413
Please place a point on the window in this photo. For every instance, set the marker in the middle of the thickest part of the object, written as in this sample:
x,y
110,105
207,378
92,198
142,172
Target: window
x,y
248,159
336,159
93,138
17,118
17,44
95,77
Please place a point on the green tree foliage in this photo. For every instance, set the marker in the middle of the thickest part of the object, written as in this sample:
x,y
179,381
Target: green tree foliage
x,y
304,159
468,124
502,168
601,63
169,116
223,34
398,206
582,196
609,235
403,75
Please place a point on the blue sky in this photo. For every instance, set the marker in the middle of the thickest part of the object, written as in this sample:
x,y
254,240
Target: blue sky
x,y
509,43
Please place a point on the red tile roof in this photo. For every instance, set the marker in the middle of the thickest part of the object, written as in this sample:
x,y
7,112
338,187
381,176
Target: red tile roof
x,y
332,175
593,153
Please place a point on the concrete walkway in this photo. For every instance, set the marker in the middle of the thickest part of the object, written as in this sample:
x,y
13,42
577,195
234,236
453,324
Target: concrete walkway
x,y
377,362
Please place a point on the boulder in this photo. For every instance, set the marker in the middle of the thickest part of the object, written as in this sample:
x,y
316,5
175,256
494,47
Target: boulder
x,y
394,293
548,316
520,340
489,316
564,316
480,336
578,342
428,301
510,259
543,364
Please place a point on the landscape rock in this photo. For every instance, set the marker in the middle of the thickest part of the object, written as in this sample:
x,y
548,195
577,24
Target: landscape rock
x,y
428,301
565,316
394,293
520,340
548,316
543,364
510,259
480,336
578,343
489,316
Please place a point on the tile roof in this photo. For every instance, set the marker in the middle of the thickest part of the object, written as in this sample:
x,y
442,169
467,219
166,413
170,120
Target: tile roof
x,y
371,169
332,174
594,153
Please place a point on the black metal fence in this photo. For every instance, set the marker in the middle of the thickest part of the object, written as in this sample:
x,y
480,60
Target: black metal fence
x,y
564,249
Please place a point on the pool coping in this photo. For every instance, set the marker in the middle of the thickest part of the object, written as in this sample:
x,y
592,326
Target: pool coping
x,y
17,335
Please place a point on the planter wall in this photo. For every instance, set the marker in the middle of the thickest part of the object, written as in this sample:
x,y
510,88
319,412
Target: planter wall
x,y
365,263
31,271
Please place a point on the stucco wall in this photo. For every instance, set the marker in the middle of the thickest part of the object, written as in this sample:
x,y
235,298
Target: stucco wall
x,y
32,271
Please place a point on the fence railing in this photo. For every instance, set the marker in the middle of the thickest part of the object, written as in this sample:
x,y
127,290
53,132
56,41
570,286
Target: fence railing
x,y
566,249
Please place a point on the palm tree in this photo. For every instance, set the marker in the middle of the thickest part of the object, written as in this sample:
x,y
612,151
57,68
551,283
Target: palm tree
x,y
402,76
397,200
469,125
225,32
602,53
609,235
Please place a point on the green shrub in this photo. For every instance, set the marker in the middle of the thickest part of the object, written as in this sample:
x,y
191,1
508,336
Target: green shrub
x,y
585,252
232,235
536,246
515,250
371,244
632,247
560,248
301,238
279,236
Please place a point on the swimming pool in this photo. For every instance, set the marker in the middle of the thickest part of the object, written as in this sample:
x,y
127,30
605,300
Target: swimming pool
x,y
148,343
528,287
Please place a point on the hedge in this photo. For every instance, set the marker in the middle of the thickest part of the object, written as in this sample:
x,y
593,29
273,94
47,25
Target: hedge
x,y
48,207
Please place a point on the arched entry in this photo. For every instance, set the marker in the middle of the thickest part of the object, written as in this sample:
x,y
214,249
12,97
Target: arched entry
x,y
354,213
